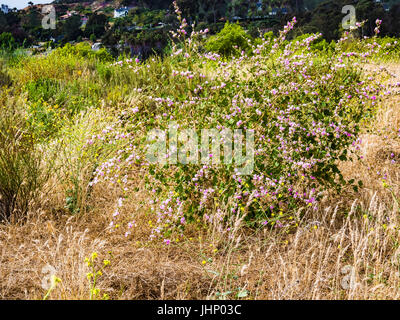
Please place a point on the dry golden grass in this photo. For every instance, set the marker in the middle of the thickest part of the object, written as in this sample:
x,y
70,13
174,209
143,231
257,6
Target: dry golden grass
x,y
348,249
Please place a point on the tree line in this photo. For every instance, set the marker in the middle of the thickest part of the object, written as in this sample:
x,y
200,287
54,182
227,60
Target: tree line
x,y
148,22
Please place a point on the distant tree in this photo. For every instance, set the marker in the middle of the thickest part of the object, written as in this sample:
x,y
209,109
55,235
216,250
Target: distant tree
x,y
71,28
3,21
7,41
252,8
96,25
215,9
241,8
189,8
125,2
369,10
326,19
394,21
310,4
295,5
31,19
111,37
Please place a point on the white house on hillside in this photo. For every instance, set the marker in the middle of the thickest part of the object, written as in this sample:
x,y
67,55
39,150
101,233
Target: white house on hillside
x,y
121,12
4,8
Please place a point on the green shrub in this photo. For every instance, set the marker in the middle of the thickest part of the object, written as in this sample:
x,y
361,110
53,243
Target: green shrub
x,y
7,41
268,35
80,156
5,79
42,89
51,102
225,41
21,175
84,50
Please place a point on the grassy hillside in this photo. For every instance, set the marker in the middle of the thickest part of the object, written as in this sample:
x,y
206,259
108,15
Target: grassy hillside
x,y
315,216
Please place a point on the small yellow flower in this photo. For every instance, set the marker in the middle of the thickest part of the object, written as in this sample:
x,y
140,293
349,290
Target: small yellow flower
x,y
106,262
55,280
95,291
204,262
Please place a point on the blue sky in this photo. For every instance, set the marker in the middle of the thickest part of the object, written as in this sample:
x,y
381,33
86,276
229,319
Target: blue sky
x,y
19,4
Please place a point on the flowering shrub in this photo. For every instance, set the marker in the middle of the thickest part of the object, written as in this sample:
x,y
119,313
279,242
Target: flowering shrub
x,y
305,113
